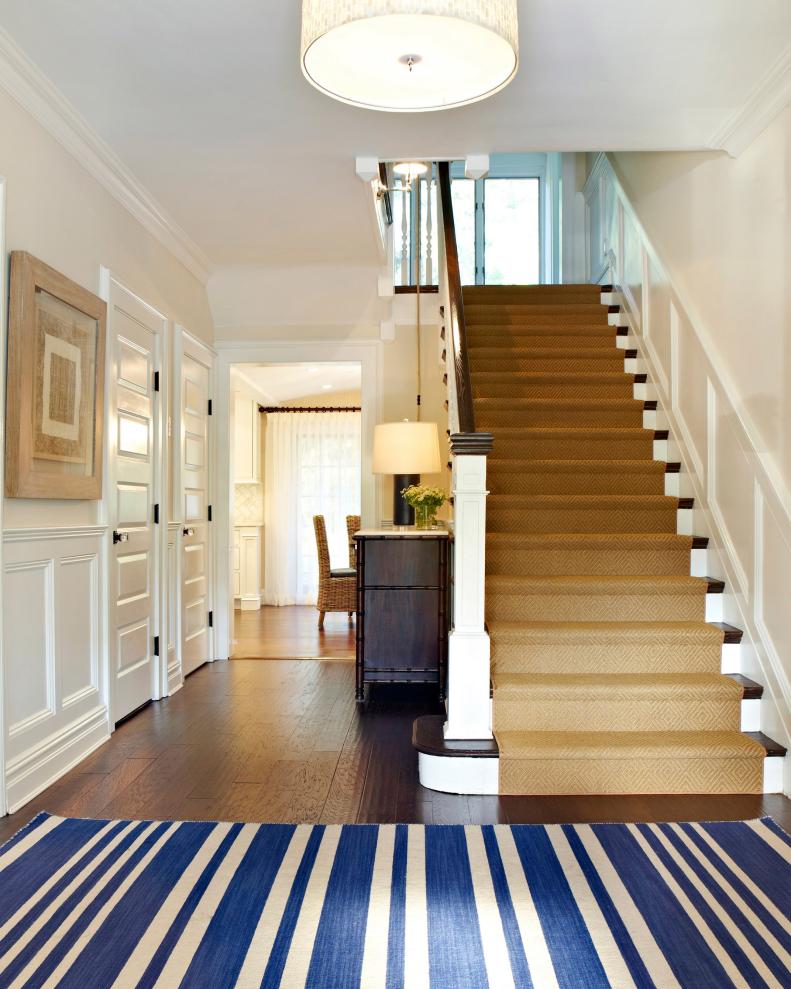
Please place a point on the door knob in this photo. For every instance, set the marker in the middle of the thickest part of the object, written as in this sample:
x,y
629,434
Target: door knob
x,y
189,532
120,537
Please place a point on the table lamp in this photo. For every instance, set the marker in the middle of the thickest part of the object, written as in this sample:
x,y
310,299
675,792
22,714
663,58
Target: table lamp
x,y
406,450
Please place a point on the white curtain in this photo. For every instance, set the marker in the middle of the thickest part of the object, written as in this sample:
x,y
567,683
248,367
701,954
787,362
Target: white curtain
x,y
312,467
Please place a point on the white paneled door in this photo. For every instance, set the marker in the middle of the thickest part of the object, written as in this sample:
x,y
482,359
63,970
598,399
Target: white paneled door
x,y
194,472
135,472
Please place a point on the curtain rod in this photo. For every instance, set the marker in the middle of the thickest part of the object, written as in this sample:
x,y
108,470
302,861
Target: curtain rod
x,y
308,408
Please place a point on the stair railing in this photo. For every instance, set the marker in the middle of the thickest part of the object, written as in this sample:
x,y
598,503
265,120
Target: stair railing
x,y
468,692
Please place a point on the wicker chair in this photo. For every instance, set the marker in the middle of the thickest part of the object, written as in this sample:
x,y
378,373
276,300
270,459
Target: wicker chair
x,y
352,526
337,588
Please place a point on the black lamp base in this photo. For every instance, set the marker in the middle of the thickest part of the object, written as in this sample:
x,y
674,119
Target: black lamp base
x,y
403,514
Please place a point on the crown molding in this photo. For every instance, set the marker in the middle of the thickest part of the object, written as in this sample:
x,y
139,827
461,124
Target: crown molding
x,y
769,97
28,85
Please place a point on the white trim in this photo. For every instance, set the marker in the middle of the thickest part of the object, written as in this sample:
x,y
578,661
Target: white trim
x,y
46,533
31,88
768,98
369,353
3,301
459,774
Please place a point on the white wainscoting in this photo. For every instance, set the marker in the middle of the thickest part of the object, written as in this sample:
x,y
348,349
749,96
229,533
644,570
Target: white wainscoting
x,y
741,500
53,645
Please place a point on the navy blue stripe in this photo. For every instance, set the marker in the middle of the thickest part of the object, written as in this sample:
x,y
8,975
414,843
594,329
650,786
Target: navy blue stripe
x,y
757,858
626,946
747,895
285,934
20,880
340,939
774,964
718,928
513,938
397,930
64,945
222,951
678,939
775,827
170,940
574,957
31,825
115,940
454,937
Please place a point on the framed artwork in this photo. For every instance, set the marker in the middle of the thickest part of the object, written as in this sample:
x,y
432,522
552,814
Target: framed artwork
x,y
55,389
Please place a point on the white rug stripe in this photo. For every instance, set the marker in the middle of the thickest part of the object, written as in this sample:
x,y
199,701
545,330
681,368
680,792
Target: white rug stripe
x,y
297,964
374,969
705,931
743,906
722,915
758,893
539,961
495,949
11,855
260,949
650,953
42,891
610,956
149,943
416,971
85,937
192,935
60,899
782,848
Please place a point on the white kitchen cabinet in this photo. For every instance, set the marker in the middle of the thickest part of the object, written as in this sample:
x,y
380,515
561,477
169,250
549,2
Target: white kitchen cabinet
x,y
247,566
247,440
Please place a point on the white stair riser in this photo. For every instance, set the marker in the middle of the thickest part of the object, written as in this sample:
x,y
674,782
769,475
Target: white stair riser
x,y
731,657
773,774
751,715
714,607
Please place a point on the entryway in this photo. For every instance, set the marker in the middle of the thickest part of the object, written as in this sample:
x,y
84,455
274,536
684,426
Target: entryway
x,y
295,440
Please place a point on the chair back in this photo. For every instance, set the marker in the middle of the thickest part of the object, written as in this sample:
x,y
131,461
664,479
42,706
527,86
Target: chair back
x,y
322,548
352,526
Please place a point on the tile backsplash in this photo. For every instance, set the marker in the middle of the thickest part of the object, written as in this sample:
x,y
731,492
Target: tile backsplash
x,y
248,504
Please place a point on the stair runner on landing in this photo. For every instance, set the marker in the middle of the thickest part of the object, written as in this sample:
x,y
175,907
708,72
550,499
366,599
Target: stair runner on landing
x,y
606,675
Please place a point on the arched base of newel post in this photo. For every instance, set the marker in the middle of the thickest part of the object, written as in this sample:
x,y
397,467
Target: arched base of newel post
x,y
469,766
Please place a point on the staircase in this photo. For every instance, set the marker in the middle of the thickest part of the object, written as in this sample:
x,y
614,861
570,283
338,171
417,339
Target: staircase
x,y
606,673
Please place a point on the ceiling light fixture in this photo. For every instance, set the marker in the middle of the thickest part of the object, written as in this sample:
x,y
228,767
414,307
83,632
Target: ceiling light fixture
x,y
409,55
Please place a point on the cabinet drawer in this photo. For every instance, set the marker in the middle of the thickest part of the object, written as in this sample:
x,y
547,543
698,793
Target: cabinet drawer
x,y
402,629
401,562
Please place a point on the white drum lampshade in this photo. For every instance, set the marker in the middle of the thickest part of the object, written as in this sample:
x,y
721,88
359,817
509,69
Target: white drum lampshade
x,y
409,55
406,450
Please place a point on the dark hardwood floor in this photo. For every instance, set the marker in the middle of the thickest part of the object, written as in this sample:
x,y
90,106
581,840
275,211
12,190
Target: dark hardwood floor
x,y
284,741
292,632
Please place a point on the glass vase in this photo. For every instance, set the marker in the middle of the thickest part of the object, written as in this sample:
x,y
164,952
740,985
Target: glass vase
x,y
425,517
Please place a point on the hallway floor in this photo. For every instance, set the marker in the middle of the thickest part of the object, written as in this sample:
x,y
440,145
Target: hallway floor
x,y
284,741
292,633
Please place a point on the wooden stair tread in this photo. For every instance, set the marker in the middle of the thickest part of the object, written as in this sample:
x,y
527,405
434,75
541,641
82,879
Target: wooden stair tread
x,y
772,748
428,737
733,635
750,689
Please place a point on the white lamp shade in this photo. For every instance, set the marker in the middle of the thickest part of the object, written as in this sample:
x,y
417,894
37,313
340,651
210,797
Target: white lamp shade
x,y
406,448
409,55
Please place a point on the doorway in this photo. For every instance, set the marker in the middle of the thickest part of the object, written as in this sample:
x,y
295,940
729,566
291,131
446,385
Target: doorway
x,y
296,448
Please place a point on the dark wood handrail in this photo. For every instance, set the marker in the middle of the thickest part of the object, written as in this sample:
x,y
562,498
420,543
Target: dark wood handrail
x,y
454,315
387,203
308,408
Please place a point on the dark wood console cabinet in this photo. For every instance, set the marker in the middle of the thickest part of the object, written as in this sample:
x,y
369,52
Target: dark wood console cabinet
x,y
402,607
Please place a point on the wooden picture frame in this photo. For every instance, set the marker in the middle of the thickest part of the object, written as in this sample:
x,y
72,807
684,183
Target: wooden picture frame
x,y
55,385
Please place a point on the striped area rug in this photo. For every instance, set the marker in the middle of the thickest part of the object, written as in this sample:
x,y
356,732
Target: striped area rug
x,y
95,904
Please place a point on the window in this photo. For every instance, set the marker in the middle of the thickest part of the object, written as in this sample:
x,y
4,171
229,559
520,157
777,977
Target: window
x,y
511,231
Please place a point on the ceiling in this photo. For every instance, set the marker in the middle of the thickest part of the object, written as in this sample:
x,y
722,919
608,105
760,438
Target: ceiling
x,y
278,383
206,104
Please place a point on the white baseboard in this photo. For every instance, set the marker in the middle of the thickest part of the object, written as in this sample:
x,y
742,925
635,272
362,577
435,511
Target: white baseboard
x,y
459,774
40,767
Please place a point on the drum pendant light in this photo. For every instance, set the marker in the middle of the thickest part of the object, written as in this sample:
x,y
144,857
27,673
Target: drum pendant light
x,y
409,55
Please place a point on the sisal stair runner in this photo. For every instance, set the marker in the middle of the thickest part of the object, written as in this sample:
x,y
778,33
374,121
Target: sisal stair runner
x,y
606,676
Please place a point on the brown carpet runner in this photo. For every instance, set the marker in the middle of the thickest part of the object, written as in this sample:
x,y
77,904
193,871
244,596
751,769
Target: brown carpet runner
x,y
606,675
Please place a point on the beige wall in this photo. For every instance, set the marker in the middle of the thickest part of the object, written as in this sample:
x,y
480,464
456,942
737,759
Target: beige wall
x,y
722,227
57,211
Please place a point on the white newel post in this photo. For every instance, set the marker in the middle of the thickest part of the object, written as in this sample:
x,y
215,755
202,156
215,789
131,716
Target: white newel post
x,y
468,703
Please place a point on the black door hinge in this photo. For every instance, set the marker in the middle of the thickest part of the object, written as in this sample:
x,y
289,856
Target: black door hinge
x,y
210,518
211,619
156,380
156,514
210,412
156,645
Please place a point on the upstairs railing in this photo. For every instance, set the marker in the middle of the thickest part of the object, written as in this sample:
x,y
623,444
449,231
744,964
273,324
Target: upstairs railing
x,y
469,706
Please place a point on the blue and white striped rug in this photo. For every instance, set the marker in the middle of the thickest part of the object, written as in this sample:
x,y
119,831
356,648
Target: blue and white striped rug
x,y
95,904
